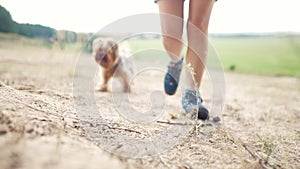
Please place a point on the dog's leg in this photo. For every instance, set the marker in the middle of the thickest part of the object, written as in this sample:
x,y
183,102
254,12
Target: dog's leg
x,y
106,77
126,81
127,85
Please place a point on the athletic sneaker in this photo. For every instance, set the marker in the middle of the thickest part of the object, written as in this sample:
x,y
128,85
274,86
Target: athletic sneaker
x,y
172,76
192,104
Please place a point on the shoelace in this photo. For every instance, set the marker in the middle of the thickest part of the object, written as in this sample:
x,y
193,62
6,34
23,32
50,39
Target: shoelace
x,y
192,97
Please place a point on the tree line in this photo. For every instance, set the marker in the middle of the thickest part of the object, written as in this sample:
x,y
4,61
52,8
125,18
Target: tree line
x,y
8,25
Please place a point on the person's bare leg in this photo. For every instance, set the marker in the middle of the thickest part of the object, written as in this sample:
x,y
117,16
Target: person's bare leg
x,y
198,20
171,16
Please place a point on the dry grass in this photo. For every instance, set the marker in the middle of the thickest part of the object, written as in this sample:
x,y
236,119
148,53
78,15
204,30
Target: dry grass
x,y
39,127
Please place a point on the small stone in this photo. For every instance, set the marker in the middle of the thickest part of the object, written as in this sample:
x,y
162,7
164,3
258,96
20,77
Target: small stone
x,y
2,130
216,119
173,116
182,166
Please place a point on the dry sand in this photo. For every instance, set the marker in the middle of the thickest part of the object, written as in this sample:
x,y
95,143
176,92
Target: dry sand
x,y
39,127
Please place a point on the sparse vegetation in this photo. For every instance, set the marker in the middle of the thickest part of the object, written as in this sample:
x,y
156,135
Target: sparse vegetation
x,y
38,121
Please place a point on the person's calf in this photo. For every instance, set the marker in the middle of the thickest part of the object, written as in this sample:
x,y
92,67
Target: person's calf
x,y
173,47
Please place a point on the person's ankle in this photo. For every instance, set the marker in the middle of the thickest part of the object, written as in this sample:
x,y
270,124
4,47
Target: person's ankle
x,y
176,59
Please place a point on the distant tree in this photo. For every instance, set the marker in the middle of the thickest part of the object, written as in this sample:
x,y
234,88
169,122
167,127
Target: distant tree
x,y
6,22
29,30
34,31
38,31
71,37
82,37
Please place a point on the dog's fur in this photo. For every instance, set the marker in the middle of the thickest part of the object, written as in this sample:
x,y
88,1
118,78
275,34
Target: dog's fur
x,y
106,54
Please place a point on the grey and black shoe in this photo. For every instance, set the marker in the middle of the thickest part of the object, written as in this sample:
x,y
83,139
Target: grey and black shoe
x,y
192,104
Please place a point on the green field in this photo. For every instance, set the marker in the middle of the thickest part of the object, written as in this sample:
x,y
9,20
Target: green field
x,y
275,56
269,56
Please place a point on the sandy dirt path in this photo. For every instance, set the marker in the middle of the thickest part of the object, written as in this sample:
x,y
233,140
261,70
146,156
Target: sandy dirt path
x,y
39,127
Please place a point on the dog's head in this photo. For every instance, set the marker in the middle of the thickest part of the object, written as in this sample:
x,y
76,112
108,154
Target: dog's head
x,y
105,52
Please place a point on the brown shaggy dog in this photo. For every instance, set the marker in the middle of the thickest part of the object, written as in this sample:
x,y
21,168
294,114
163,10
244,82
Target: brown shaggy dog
x,y
106,54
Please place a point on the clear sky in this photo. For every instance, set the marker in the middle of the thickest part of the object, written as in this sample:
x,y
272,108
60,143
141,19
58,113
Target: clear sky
x,y
228,16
